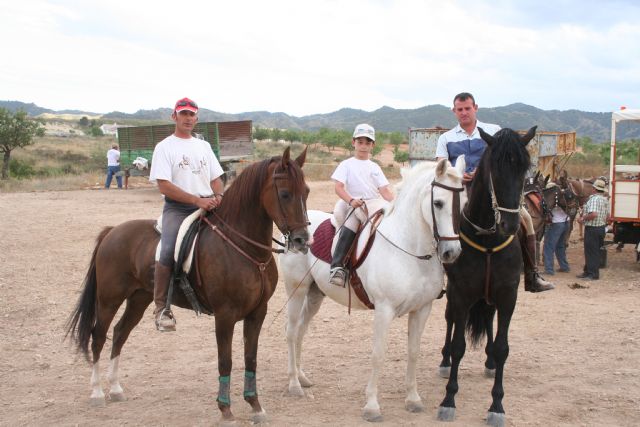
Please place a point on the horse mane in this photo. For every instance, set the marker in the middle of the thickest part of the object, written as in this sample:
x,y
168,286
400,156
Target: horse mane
x,y
508,150
410,178
246,188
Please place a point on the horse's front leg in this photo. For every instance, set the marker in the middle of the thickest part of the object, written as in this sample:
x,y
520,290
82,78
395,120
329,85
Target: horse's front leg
x,y
417,320
383,317
447,409
224,338
445,364
495,416
490,363
252,328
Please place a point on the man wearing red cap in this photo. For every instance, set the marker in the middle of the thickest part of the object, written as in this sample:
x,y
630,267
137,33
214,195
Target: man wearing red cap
x,y
188,175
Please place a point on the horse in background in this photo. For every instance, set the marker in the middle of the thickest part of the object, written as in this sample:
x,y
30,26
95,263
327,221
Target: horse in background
x,y
581,189
536,206
485,277
402,274
234,275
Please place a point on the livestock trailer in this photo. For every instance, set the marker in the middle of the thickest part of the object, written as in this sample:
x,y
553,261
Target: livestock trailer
x,y
624,186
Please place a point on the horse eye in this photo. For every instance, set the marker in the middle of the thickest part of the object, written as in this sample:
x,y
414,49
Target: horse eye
x,y
285,195
438,204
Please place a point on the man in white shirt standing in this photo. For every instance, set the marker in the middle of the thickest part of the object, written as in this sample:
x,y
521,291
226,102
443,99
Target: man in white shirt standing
x,y
188,175
113,166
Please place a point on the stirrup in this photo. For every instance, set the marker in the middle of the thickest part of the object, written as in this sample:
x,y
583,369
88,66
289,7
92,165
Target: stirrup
x,y
338,276
165,322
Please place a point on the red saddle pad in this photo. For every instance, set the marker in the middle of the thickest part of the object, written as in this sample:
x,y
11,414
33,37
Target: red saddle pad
x,y
322,240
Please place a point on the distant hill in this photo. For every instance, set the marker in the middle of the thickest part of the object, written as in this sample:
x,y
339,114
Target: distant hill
x,y
597,126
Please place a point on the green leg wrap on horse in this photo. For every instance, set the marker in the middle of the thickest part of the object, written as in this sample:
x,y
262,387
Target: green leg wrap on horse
x,y
224,390
250,389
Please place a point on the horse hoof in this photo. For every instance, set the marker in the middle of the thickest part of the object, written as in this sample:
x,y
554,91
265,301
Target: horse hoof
x,y
446,414
296,391
495,419
97,402
117,397
372,415
489,373
228,423
304,381
414,407
259,417
444,371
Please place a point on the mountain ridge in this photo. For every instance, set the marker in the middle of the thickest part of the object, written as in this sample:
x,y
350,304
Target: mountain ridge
x,y
594,125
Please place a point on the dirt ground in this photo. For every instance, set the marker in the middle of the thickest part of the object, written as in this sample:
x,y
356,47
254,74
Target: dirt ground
x,y
573,359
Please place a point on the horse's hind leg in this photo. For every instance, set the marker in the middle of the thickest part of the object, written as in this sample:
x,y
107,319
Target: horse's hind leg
x,y
136,306
104,316
445,364
383,317
417,319
252,327
300,310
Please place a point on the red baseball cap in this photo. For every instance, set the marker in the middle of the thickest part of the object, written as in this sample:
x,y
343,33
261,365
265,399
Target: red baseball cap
x,y
185,104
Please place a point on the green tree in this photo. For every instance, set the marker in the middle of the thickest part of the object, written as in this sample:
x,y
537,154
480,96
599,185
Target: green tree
x,y
16,131
260,134
400,156
84,121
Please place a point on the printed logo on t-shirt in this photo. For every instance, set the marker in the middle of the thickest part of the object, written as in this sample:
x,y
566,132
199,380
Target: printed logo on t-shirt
x,y
196,167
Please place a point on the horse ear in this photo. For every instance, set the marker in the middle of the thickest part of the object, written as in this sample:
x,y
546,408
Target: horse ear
x,y
302,157
441,167
486,137
529,135
461,165
546,180
285,158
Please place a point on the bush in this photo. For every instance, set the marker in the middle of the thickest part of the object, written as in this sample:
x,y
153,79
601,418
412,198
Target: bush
x,y
21,169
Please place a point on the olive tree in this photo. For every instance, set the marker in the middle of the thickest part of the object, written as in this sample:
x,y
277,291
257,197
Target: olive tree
x,y
16,131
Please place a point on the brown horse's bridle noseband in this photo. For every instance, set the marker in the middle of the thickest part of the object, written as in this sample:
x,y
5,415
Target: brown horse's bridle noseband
x,y
286,229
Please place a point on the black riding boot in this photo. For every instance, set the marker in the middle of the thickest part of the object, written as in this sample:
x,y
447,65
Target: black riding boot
x,y
338,274
533,282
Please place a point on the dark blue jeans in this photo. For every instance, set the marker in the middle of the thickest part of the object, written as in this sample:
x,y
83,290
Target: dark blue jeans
x,y
173,214
111,170
593,241
554,238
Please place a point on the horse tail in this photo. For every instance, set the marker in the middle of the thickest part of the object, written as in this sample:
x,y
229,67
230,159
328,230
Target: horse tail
x,y
477,321
83,318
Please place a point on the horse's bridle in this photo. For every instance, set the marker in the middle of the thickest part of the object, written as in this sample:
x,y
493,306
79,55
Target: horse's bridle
x,y
496,211
456,220
455,209
286,229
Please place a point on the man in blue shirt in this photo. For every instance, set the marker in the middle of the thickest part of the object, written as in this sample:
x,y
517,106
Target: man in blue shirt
x,y
465,139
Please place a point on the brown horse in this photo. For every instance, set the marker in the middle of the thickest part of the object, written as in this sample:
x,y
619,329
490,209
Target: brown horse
x,y
582,189
234,276
535,205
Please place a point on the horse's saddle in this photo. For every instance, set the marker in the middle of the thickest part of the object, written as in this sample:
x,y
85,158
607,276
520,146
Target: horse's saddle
x,y
184,256
324,243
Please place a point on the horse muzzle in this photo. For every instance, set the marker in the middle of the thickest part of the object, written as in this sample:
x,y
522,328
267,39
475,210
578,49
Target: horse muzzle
x,y
299,240
449,250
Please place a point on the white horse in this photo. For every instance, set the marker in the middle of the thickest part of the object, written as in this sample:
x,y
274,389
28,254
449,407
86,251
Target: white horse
x,y
395,279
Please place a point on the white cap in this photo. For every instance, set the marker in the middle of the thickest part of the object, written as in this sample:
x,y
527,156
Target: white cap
x,y
365,130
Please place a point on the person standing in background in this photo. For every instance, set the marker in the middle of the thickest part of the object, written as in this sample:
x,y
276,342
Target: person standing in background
x,y
113,166
596,211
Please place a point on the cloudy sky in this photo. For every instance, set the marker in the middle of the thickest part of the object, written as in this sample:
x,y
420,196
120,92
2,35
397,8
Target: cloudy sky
x,y
305,57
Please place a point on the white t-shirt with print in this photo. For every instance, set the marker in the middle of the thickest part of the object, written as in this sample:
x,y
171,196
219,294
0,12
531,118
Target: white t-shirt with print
x,y
362,178
113,157
188,163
